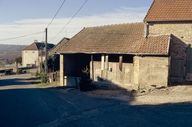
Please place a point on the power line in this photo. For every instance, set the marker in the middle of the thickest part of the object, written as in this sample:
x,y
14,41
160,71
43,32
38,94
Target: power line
x,y
12,38
70,20
58,10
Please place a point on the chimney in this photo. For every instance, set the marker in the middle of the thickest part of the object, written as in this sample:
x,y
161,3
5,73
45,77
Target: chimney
x,y
146,30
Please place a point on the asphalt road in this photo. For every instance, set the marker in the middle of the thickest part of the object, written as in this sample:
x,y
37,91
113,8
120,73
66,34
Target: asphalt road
x,y
25,105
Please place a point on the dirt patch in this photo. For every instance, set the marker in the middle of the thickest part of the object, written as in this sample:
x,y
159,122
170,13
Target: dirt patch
x,y
174,94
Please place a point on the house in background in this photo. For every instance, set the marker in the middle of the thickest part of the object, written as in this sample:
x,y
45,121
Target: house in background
x,y
34,54
120,55
167,17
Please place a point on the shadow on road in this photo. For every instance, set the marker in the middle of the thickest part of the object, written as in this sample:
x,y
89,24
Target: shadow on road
x,y
53,107
18,81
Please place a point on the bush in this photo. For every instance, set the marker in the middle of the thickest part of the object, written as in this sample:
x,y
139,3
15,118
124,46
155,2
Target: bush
x,y
43,77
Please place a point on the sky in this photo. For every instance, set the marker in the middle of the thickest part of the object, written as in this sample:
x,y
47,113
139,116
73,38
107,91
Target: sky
x,y
22,17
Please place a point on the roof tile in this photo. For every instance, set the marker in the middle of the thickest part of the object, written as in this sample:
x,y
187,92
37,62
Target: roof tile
x,y
121,39
170,10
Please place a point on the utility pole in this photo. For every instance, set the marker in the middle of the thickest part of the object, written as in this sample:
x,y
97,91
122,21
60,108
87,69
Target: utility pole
x,y
46,68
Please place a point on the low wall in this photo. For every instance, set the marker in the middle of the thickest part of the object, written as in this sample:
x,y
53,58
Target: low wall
x,y
113,75
151,71
144,72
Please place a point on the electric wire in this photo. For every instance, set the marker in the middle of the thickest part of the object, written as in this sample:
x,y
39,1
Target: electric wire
x,y
57,12
71,19
22,36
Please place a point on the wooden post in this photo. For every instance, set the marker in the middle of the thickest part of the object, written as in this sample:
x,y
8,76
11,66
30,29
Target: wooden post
x,y
46,68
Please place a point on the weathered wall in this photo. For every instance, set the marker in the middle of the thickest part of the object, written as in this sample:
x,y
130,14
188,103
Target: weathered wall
x,y
151,71
141,72
30,57
112,74
178,60
181,30
181,59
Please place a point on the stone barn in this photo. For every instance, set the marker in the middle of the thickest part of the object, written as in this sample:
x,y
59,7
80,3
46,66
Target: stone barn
x,y
167,17
122,56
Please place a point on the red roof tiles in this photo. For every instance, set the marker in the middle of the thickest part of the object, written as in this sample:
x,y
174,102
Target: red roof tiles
x,y
119,39
170,10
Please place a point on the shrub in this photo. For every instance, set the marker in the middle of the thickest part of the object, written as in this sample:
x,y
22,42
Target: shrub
x,y
43,77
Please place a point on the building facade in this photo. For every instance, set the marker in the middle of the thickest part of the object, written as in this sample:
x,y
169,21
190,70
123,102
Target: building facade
x,y
34,54
121,56
154,53
167,17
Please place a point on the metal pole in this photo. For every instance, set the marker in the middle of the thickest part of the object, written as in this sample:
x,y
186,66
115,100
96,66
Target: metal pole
x,y
46,68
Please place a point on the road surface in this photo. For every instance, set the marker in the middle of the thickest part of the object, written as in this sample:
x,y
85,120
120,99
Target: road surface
x,y
25,105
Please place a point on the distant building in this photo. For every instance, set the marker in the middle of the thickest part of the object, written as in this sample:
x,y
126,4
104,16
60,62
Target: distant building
x,y
34,54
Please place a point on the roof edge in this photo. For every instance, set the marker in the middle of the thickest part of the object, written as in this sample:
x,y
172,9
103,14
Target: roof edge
x,y
144,20
114,25
152,54
152,21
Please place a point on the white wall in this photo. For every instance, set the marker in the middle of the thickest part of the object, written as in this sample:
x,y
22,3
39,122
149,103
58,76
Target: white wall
x,y
30,57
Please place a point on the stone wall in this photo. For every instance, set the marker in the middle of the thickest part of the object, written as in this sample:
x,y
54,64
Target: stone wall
x,y
179,67
181,56
113,75
142,73
150,71
181,30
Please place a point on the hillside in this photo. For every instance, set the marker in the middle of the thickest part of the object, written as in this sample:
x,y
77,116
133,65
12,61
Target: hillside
x,y
8,53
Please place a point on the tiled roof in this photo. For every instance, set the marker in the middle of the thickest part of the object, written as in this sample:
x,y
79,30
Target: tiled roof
x,y
170,10
119,39
39,46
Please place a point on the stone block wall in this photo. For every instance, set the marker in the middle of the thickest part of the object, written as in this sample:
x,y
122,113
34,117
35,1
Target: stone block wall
x,y
142,73
180,30
150,71
179,67
113,74
181,56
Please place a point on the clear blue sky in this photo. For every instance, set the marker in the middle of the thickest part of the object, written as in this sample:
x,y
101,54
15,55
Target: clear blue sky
x,y
12,10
